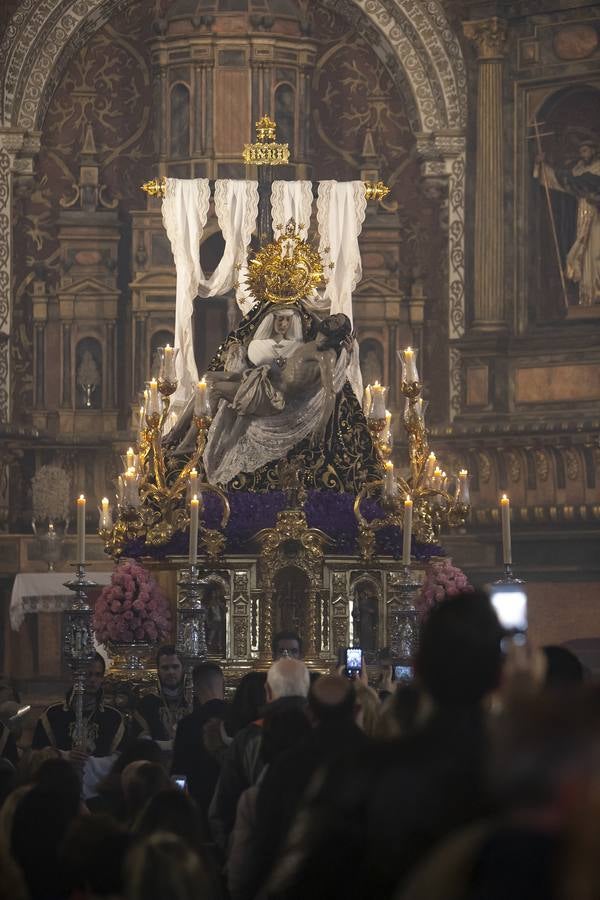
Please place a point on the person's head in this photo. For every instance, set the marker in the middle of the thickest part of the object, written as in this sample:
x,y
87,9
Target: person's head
x,y
248,700
208,682
140,782
173,811
7,814
137,750
92,857
281,323
95,675
59,775
163,865
587,151
459,658
39,825
169,666
333,331
287,678
563,669
332,700
287,643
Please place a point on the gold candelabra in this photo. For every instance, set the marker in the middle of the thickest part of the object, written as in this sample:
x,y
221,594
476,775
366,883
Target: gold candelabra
x,y
153,490
437,501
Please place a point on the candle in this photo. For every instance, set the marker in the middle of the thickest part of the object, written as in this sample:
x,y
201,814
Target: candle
x,y
105,515
194,517
506,545
409,365
81,530
130,458
407,532
121,489
463,495
389,485
193,486
377,410
436,479
367,400
152,405
201,404
430,467
387,434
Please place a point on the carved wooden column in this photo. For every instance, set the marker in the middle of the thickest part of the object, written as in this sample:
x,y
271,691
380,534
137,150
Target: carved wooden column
x,y
489,36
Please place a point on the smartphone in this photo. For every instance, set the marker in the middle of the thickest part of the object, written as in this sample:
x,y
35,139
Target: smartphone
x,y
353,662
510,603
402,672
180,781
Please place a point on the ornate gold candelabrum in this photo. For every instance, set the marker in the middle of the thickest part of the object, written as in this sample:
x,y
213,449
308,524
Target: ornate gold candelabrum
x,y
154,488
438,501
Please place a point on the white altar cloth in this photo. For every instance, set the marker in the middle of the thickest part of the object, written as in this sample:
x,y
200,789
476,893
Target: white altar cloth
x,y
35,592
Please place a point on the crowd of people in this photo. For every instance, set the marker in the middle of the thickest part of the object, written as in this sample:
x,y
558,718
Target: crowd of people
x,y
478,779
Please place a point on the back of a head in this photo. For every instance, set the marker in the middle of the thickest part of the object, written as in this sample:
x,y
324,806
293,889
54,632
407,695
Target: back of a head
x,y
92,856
288,678
332,700
162,866
208,681
59,775
248,700
459,656
141,781
563,669
174,812
137,750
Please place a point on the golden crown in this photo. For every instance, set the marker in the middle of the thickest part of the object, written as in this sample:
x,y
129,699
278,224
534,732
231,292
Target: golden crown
x,y
285,270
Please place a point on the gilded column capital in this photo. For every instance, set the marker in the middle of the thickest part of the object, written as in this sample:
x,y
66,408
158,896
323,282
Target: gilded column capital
x,y
489,37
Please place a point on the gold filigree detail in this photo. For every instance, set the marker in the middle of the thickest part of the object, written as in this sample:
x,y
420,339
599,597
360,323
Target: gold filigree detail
x,y
286,270
266,151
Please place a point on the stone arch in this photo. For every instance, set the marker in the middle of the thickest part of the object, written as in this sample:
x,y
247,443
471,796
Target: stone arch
x,y
413,36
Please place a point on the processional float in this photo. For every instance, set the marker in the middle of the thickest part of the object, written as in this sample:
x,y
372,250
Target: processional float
x,y
164,495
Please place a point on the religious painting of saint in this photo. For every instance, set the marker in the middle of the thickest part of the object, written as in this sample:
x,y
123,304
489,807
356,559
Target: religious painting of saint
x,y
365,615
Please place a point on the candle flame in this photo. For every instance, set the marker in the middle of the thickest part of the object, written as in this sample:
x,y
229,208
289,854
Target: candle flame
x,y
82,498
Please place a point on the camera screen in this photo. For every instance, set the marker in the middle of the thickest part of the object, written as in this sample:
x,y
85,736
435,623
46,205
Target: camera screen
x,y
402,673
180,781
510,604
353,658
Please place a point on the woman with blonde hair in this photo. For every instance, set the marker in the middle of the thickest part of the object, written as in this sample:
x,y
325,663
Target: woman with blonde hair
x,y
163,865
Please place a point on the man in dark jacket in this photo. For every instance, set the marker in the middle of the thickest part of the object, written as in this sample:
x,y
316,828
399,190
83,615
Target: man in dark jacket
x,y
191,756
158,714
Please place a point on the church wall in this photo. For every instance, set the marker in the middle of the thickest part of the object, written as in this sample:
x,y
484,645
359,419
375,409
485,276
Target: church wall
x,y
527,411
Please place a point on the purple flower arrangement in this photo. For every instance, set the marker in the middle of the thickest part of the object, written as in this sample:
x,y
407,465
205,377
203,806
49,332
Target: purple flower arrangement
x,y
132,607
330,511
442,579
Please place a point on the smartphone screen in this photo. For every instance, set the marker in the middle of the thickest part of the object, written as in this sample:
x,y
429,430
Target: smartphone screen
x,y
402,673
180,781
353,660
510,603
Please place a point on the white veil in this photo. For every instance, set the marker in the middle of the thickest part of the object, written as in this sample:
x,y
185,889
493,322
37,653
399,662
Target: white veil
x,y
265,329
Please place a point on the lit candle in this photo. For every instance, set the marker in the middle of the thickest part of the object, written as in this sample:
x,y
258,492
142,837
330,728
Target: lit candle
x,y
377,410
409,360
121,489
201,404
193,483
194,518
81,530
141,424
407,532
436,480
430,466
389,485
130,458
105,515
153,406
463,495
506,545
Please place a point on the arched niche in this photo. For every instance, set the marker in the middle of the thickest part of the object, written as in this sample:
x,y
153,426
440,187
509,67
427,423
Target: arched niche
x,y
285,113
88,374
570,116
372,361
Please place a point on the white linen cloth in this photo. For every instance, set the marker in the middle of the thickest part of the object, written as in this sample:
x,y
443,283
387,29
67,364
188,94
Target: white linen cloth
x,y
185,211
245,443
35,592
291,200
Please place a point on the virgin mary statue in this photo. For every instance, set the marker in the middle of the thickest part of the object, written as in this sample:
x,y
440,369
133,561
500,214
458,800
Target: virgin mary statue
x,y
279,388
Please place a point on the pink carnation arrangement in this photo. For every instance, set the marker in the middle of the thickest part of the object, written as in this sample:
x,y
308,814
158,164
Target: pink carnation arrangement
x,y
132,607
442,580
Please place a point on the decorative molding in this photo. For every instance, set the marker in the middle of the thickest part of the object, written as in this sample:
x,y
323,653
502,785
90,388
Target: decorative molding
x,y
5,282
489,37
